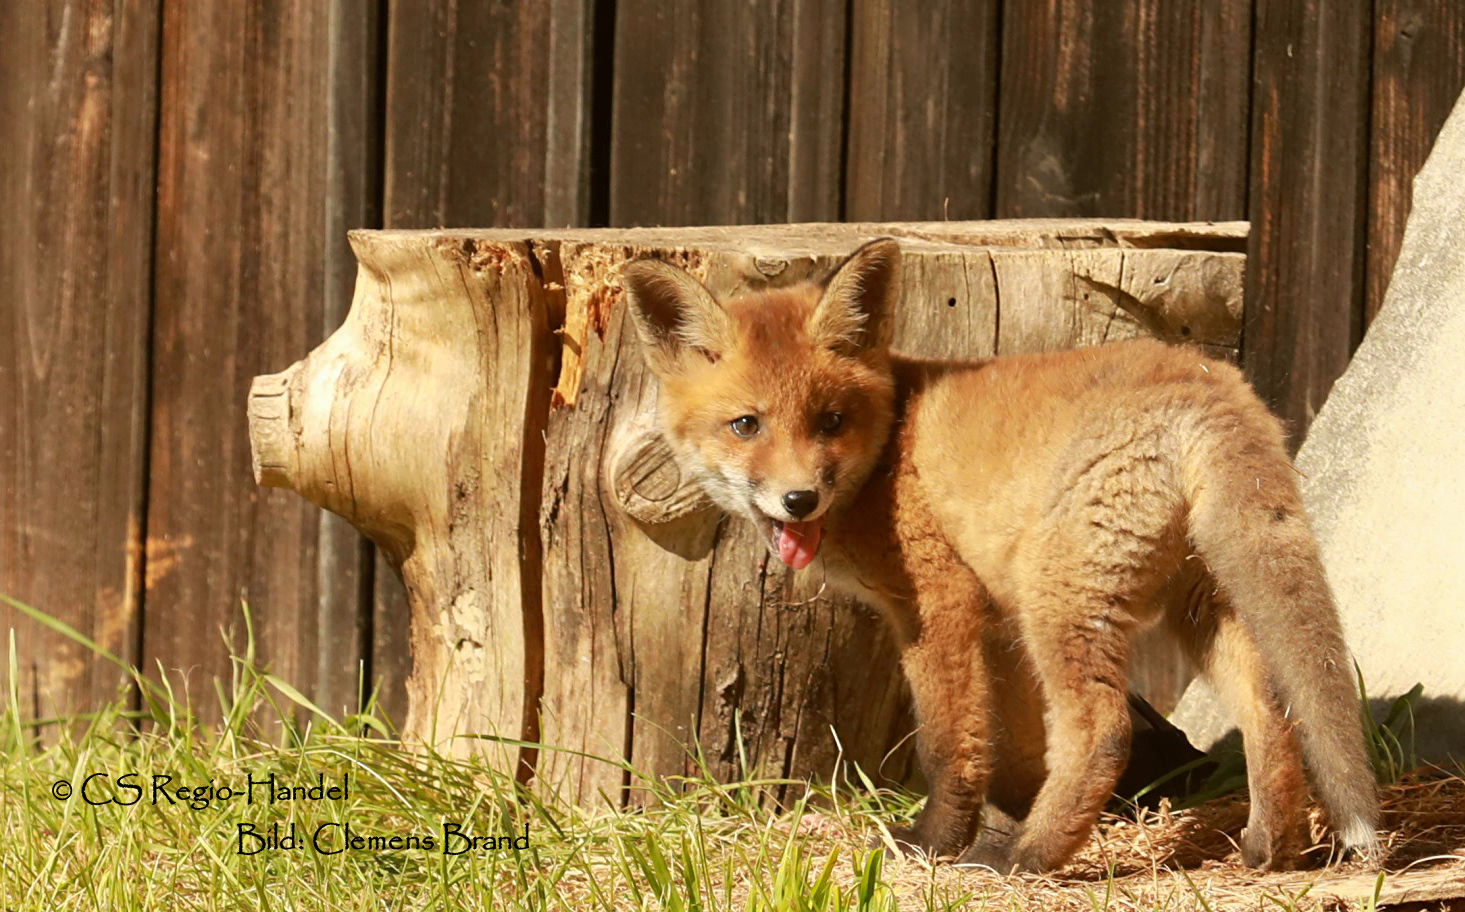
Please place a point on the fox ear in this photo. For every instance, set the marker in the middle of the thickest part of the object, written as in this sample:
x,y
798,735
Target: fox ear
x,y
674,314
853,313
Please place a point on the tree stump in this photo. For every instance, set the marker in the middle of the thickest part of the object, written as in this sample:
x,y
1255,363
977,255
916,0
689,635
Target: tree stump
x,y
484,416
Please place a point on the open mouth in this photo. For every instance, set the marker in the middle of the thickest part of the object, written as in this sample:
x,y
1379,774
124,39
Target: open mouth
x,y
795,543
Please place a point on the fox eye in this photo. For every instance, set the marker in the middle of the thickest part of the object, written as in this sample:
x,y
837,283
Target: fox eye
x,y
830,422
745,426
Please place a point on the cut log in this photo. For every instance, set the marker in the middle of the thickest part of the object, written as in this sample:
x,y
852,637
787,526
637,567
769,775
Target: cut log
x,y
484,415
420,422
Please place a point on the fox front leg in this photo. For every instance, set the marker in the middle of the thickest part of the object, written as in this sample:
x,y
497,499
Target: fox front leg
x,y
949,686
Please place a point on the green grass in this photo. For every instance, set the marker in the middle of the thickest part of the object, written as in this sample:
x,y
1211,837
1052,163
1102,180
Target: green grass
x,y
696,844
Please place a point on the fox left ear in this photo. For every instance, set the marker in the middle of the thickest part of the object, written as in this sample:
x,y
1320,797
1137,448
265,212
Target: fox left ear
x,y
853,313
674,315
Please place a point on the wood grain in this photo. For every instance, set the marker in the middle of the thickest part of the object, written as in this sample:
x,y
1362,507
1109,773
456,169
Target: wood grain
x,y
727,113
488,121
253,139
77,109
1134,109
922,110
793,243
1418,72
1309,168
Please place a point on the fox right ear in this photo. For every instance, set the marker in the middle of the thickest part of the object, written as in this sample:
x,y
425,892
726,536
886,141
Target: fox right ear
x,y
674,314
854,310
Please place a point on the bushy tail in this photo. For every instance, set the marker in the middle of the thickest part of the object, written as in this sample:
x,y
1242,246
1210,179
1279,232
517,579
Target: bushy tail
x,y
1247,523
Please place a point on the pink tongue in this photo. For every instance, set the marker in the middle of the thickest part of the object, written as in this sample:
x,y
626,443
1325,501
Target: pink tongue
x,y
798,541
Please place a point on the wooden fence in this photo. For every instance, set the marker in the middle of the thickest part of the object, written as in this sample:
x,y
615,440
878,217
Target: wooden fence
x,y
178,176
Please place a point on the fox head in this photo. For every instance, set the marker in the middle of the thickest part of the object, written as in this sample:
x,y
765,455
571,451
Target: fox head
x,y
778,403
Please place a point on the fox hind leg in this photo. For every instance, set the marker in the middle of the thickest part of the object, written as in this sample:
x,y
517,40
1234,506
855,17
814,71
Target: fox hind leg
x,y
1081,657
1084,577
1246,520
1220,645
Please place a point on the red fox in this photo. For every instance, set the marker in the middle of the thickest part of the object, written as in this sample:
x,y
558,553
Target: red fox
x,y
1016,520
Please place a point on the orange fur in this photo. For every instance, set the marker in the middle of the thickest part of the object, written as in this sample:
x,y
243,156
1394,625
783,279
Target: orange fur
x,y
1017,520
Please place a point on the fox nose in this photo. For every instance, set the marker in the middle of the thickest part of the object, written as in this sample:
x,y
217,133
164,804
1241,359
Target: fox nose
x,y
800,503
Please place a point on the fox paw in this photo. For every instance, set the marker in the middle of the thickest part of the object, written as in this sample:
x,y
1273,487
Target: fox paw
x,y
1260,850
992,854
1000,849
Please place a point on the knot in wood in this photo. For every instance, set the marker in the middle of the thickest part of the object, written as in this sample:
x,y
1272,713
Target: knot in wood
x,y
647,481
771,267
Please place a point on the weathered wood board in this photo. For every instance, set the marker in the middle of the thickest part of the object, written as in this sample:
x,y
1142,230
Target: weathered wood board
x,y
618,615
1137,108
922,110
78,100
726,112
263,137
1418,72
1308,197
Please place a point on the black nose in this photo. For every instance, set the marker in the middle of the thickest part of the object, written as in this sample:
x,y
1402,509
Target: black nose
x,y
801,503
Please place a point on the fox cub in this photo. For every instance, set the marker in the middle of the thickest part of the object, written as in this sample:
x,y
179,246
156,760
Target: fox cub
x,y
1016,520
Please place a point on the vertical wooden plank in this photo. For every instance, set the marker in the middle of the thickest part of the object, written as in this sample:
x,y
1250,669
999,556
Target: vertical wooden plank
x,y
922,110
816,110
352,200
391,639
572,48
246,281
727,113
1134,109
480,116
1418,72
78,109
1309,167
488,123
